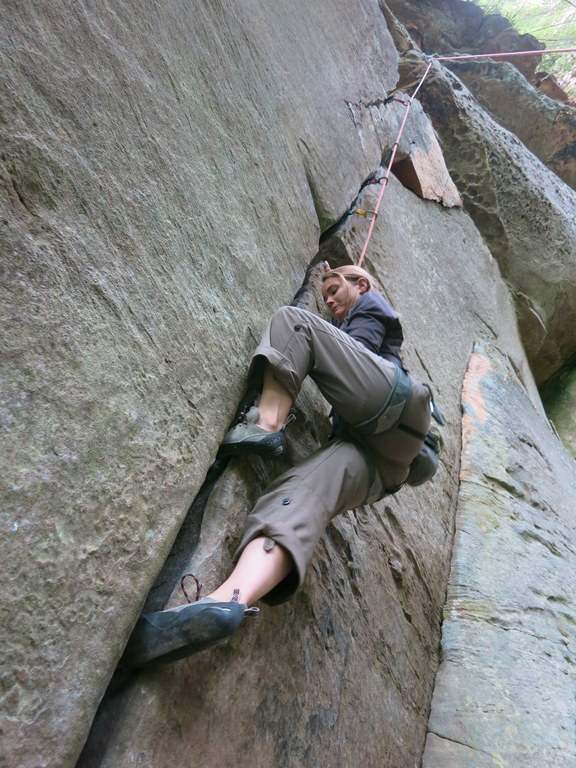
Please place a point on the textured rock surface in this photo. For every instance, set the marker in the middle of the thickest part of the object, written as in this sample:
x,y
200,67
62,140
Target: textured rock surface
x,y
460,27
419,162
356,651
506,88
504,693
548,84
165,173
525,213
155,188
546,126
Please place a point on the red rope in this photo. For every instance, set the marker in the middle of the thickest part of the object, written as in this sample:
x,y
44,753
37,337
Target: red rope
x,y
408,104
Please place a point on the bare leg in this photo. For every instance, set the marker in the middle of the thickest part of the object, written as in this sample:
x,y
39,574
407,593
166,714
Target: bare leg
x,y
275,403
257,572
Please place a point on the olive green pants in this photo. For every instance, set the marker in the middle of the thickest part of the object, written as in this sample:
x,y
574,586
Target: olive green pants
x,y
349,471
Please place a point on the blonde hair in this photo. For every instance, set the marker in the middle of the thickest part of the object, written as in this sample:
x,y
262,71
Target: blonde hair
x,y
350,273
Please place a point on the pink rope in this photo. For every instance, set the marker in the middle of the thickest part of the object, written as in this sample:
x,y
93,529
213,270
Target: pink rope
x,y
408,104
510,53
384,180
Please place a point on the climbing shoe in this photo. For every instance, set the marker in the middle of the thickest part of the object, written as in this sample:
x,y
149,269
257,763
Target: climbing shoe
x,y
165,636
247,437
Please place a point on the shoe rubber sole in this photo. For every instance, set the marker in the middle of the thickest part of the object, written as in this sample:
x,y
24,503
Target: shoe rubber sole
x,y
165,636
274,445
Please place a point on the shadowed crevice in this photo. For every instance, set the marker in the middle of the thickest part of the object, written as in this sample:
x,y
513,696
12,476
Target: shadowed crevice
x,y
114,700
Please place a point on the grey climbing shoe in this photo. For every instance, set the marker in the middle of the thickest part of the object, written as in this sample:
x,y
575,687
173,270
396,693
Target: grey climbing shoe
x,y
165,636
250,438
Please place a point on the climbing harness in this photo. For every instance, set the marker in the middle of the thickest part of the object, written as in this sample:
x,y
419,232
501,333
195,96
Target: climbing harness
x,y
389,162
424,466
390,413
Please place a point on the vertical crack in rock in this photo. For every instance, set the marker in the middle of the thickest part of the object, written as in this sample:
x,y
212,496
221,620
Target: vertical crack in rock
x,y
459,743
182,549
331,249
453,515
373,178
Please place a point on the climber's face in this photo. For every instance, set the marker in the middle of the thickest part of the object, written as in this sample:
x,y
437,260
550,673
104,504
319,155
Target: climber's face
x,y
340,295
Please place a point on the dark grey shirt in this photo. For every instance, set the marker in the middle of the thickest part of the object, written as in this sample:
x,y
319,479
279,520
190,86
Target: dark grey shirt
x,y
373,322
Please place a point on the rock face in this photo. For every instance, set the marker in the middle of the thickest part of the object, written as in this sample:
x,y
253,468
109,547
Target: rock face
x,y
546,126
165,175
507,619
509,194
356,650
514,200
460,27
522,100
154,187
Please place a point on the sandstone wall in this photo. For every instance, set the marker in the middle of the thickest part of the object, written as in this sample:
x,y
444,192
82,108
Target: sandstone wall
x,y
324,677
504,690
524,214
166,171
546,126
155,208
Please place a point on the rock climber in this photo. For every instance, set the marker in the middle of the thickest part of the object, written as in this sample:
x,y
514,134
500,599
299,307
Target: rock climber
x,y
381,418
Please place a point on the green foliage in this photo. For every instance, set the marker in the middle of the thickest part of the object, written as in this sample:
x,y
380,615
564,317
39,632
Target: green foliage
x,y
553,22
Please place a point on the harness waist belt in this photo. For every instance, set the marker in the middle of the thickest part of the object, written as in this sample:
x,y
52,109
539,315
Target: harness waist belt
x,y
389,415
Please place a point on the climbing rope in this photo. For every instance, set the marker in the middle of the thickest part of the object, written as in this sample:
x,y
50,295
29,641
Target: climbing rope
x,y
499,55
373,215
384,180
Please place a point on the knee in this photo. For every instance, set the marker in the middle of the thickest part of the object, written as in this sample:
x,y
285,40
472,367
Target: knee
x,y
290,315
